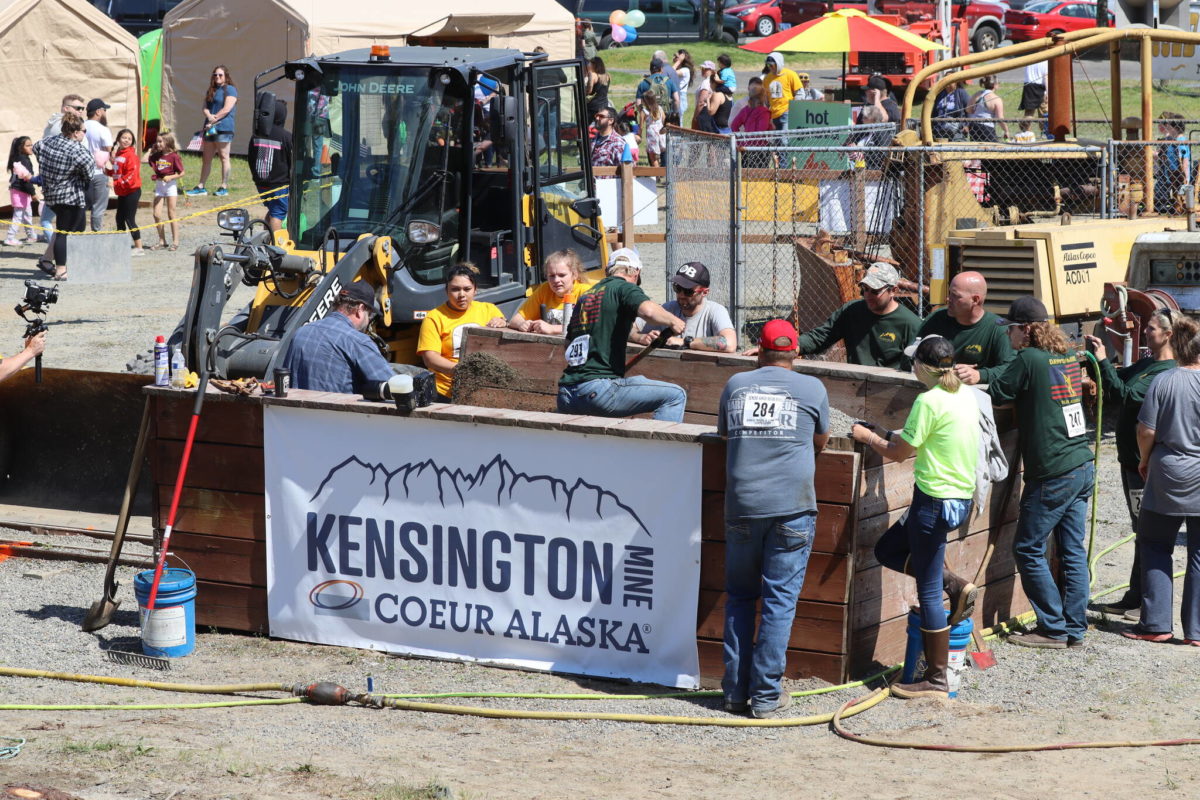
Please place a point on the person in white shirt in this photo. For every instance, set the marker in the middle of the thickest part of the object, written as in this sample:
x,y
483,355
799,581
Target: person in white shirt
x,y
99,141
1033,93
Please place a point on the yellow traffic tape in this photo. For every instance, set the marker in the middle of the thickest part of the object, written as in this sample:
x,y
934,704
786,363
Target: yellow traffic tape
x,y
153,225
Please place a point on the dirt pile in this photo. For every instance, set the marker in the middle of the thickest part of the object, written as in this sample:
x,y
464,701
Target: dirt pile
x,y
485,371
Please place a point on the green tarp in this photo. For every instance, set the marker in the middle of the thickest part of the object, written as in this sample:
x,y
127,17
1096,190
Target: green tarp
x,y
150,45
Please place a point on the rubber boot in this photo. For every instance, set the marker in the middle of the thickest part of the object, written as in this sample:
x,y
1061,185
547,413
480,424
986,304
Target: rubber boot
x,y
935,682
962,594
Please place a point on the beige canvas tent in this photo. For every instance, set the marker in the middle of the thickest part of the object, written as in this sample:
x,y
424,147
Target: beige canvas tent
x,y
249,36
50,48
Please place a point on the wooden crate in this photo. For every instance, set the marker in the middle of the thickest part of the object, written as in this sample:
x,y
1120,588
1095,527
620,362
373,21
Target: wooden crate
x,y
850,618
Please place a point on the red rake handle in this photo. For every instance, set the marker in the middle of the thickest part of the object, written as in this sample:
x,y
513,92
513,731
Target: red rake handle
x,y
183,465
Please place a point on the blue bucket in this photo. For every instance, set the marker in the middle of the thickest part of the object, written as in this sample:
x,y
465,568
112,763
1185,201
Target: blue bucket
x,y
170,628
914,654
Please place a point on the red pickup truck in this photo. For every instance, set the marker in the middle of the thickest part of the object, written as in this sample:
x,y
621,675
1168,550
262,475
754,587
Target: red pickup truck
x,y
984,21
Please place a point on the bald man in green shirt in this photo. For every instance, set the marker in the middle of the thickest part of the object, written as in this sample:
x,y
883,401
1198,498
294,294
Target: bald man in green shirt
x,y
981,347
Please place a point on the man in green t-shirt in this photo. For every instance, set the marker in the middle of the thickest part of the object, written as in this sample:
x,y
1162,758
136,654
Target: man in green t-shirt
x,y
1045,385
875,329
981,347
594,381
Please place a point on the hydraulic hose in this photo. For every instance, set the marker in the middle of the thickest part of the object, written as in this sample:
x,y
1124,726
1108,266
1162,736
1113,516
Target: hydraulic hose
x,y
196,688
875,741
278,701
1091,562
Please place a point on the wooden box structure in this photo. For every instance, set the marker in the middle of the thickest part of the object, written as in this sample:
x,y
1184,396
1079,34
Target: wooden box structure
x,y
852,612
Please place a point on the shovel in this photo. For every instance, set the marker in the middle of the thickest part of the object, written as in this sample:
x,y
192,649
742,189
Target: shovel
x,y
100,614
983,657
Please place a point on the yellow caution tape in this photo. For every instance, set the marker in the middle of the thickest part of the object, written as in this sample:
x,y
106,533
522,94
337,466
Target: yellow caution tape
x,y
153,225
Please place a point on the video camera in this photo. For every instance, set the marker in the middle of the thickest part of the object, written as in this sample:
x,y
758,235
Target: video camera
x,y
37,301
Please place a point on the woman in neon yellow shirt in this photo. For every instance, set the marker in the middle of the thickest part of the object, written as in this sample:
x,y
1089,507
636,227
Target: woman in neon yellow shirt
x,y
542,311
942,430
441,337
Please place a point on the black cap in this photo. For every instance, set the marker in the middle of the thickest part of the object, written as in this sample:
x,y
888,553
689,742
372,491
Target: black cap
x,y
359,292
691,275
879,82
1024,310
936,351
95,105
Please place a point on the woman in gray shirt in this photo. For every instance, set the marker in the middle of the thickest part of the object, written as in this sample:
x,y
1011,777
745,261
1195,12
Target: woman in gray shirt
x,y
1169,441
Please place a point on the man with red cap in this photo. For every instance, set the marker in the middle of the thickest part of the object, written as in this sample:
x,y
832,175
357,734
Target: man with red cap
x,y
775,422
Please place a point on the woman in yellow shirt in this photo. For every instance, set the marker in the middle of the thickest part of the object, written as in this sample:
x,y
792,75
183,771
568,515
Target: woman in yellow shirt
x,y
441,338
542,311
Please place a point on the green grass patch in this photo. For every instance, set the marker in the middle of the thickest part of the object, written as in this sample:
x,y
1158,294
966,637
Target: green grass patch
x,y
639,55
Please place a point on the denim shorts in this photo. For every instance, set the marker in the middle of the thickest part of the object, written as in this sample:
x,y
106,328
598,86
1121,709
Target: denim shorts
x,y
219,138
277,207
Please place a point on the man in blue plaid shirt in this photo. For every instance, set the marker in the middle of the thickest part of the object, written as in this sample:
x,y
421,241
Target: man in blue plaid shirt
x,y
333,354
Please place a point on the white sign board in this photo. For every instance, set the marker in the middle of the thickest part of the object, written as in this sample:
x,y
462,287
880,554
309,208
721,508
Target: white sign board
x,y
538,549
1176,61
836,204
645,201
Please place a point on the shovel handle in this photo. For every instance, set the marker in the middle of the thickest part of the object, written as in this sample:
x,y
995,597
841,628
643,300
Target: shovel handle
x,y
658,342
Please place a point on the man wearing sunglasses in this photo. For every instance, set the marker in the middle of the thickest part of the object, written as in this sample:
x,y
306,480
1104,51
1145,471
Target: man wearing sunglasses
x,y
875,329
608,146
71,104
708,326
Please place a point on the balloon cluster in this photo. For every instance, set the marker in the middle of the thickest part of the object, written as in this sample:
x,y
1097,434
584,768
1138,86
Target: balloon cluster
x,y
625,25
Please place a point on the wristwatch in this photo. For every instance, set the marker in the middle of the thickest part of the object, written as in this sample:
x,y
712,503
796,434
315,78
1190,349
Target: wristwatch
x,y
887,435
687,342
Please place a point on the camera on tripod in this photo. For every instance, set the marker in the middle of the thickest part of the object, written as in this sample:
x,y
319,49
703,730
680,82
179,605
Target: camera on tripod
x,y
37,301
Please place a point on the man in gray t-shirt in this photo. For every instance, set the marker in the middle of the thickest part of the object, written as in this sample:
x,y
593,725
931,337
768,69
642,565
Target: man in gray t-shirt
x,y
774,421
708,325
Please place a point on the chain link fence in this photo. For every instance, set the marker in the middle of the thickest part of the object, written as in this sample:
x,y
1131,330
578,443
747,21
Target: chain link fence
x,y
786,221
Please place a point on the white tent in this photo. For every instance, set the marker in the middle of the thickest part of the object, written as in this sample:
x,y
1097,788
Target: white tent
x,y
250,36
51,48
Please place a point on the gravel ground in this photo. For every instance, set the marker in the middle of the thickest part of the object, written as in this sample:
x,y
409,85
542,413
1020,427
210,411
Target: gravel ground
x,y
1114,689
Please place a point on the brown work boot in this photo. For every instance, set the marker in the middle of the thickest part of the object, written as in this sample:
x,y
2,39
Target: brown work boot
x,y
935,682
962,594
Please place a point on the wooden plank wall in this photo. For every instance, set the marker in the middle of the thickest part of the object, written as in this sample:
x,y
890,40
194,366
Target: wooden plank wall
x,y
220,527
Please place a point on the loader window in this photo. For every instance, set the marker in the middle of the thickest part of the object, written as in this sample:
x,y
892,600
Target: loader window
x,y
373,147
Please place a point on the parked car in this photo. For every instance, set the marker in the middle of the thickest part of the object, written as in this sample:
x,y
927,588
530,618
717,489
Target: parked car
x,y
759,17
137,16
985,20
1050,17
666,20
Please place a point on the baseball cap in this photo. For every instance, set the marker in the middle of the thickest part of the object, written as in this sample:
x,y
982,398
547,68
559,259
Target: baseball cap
x,y
691,275
879,82
359,292
1024,309
95,104
709,65
626,258
934,350
779,334
880,275
656,63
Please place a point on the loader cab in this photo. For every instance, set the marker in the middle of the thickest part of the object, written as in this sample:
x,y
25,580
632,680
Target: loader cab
x,y
457,154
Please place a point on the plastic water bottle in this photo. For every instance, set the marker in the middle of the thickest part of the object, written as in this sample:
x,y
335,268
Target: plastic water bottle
x,y
178,369
162,372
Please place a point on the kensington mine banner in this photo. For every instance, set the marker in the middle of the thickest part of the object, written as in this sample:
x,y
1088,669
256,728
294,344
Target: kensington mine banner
x,y
540,549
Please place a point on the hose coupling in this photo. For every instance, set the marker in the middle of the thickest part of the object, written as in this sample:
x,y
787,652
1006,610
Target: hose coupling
x,y
322,693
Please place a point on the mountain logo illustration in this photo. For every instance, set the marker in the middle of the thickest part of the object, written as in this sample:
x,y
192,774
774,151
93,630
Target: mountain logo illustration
x,y
456,485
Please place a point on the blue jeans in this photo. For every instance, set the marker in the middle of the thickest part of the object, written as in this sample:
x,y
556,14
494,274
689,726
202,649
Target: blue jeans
x,y
623,397
1056,506
1156,545
781,122
763,558
920,542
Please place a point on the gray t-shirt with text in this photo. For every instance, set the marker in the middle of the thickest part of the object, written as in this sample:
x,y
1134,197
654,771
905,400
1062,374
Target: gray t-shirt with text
x,y
1172,407
770,416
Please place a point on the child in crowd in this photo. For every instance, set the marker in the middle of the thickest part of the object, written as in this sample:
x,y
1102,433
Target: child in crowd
x,y
1026,134
21,190
631,142
164,160
651,118
126,170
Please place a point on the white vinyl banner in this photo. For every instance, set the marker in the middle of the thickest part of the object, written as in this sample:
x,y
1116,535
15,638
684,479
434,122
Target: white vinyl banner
x,y
540,549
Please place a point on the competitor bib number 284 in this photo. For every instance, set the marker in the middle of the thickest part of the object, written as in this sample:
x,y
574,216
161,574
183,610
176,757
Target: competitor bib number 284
x,y
762,410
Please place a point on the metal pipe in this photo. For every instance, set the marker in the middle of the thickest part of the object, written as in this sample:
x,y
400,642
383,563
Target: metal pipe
x,y
1070,47
1114,82
1061,100
1147,122
910,91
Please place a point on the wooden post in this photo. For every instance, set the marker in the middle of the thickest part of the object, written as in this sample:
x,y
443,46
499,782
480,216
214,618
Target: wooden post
x,y
627,205
858,201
